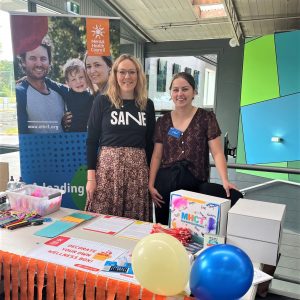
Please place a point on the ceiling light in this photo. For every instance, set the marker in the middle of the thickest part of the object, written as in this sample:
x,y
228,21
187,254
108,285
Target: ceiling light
x,y
233,42
276,139
206,11
210,7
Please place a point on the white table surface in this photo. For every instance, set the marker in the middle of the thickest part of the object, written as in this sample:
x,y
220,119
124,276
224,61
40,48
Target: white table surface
x,y
22,240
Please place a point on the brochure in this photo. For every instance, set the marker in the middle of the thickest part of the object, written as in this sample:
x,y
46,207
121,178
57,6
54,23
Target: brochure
x,y
108,224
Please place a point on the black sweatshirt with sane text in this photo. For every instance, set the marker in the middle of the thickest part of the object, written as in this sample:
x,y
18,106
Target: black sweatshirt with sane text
x,y
124,127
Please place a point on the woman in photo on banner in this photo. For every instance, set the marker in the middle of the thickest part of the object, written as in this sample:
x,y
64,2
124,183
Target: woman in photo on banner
x,y
97,70
120,144
183,139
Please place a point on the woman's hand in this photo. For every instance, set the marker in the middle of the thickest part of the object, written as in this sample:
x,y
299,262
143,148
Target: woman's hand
x,y
228,186
90,189
66,120
156,196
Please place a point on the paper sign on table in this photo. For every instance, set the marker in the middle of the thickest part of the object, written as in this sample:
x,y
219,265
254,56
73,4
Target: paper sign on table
x,y
108,224
65,223
72,219
84,216
136,230
76,253
55,229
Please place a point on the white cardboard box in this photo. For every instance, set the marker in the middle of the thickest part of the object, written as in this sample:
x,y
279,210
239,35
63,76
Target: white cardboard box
x,y
258,251
198,212
256,227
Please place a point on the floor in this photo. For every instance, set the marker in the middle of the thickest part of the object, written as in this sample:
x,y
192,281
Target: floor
x,y
273,297
286,282
10,142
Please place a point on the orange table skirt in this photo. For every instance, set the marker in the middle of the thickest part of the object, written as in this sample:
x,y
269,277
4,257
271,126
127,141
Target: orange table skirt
x,y
28,279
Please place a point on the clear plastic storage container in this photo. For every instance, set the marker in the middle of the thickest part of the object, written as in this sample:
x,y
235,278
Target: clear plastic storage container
x,y
43,200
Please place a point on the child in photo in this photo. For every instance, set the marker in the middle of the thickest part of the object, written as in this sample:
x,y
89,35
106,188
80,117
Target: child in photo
x,y
78,100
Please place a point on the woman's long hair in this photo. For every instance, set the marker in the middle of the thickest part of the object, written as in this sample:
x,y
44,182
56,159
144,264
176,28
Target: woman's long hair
x,y
140,90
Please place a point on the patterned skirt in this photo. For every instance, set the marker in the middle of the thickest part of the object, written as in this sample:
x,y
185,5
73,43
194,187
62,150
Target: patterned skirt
x,y
122,184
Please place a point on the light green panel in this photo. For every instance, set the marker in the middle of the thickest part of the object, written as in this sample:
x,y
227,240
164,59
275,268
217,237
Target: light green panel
x,y
260,79
294,165
247,40
270,175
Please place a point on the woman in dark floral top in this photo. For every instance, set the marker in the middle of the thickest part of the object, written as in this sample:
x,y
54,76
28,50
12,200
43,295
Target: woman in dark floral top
x,y
183,139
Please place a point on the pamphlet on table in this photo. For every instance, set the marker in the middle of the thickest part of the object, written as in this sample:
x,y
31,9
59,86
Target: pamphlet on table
x,y
108,224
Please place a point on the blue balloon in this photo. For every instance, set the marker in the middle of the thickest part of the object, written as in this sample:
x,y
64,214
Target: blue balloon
x,y
221,272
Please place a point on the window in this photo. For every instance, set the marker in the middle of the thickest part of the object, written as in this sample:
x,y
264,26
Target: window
x,y
188,70
161,75
176,69
196,77
209,88
160,70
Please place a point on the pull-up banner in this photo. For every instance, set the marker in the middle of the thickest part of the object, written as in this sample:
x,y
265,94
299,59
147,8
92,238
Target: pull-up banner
x,y
52,82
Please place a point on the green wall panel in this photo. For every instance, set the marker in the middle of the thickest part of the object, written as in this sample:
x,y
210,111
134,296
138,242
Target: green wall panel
x,y
294,165
260,79
247,40
270,175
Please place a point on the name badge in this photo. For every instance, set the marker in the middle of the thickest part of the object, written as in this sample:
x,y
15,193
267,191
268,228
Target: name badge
x,y
174,133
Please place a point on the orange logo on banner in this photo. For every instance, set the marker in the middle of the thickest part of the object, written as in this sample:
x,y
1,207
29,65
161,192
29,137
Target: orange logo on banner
x,y
97,37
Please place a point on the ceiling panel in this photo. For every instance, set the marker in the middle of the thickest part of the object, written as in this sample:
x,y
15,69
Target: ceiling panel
x,y
176,20
156,12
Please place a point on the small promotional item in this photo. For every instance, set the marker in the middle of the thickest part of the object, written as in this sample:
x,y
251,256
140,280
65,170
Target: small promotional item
x,y
193,248
18,225
7,220
180,233
3,198
213,239
174,133
112,266
20,183
16,219
11,185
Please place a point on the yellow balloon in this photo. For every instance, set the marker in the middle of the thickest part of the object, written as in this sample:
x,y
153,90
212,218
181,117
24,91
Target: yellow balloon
x,y
161,264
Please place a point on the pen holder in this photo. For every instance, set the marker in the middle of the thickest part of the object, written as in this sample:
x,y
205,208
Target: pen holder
x,y
43,200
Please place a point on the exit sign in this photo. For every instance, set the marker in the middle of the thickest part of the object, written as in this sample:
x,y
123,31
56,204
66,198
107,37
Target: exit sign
x,y
73,7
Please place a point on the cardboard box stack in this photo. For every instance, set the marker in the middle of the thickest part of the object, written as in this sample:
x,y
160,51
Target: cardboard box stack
x,y
256,228
3,176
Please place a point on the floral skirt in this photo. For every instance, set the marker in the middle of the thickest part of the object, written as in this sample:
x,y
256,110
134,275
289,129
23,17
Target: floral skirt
x,y
122,184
